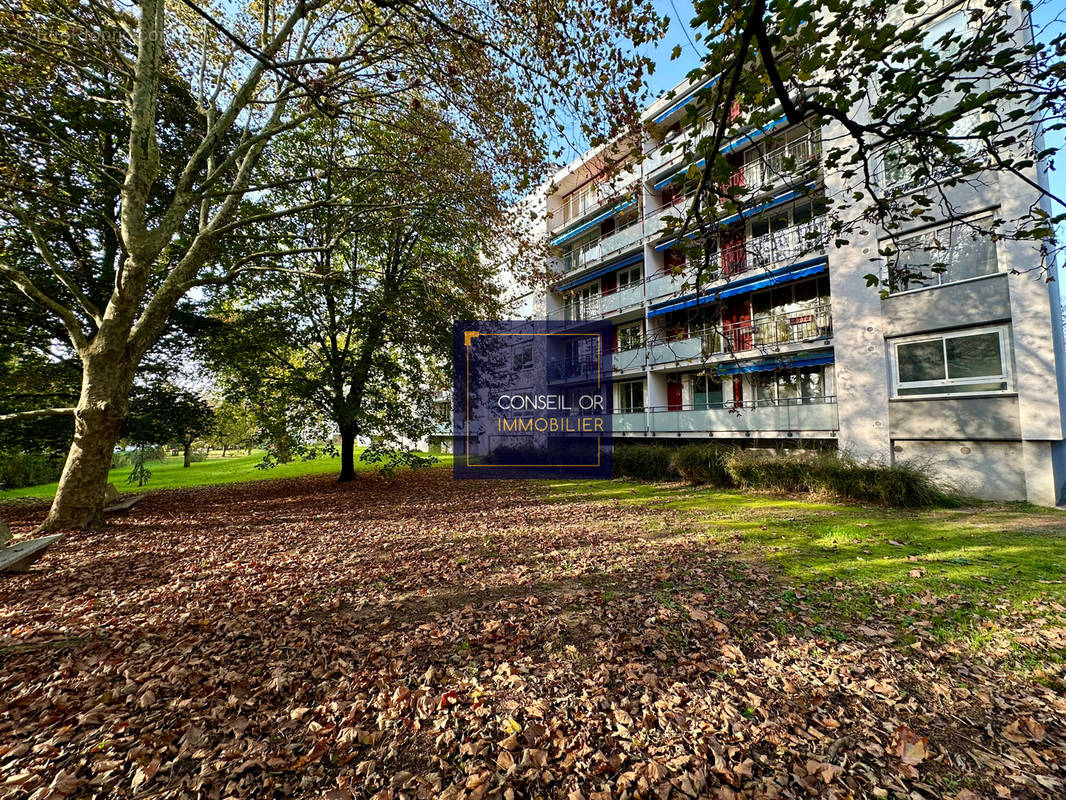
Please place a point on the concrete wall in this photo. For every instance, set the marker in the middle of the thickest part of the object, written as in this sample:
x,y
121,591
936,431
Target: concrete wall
x,y
989,470
975,302
955,418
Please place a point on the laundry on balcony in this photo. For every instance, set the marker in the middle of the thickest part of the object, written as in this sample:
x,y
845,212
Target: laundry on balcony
x,y
784,362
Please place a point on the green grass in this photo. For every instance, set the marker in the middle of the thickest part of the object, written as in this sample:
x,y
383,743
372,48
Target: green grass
x,y
170,474
961,566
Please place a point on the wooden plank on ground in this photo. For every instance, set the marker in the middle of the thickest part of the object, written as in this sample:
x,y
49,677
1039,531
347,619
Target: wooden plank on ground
x,y
18,557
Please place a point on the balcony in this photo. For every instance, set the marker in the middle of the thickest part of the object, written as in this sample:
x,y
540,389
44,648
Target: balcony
x,y
622,299
777,247
628,359
788,163
801,324
699,344
813,415
615,243
654,224
628,422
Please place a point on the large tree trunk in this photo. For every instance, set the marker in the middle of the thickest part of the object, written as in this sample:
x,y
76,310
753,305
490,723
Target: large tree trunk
x,y
98,418
188,454
347,454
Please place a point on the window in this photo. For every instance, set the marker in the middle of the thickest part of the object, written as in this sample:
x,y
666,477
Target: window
x,y
583,303
630,337
522,357
955,252
794,387
706,392
967,362
631,397
629,277
904,167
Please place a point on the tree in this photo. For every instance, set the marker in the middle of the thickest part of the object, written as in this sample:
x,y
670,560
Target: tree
x,y
941,104
399,242
259,71
162,414
234,425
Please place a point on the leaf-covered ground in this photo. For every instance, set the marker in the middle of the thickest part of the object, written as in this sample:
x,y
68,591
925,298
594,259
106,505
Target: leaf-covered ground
x,y
421,638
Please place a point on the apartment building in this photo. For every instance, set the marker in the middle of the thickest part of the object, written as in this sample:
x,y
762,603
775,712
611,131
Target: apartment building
x,y
784,344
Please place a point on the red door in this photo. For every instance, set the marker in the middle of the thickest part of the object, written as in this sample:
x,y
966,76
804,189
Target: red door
x,y
736,322
731,246
673,394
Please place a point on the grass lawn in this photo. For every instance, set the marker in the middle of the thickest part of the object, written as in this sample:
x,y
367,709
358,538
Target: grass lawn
x,y
170,474
959,567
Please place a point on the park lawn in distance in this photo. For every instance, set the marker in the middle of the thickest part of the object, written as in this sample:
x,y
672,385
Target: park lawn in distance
x,y
961,568
170,474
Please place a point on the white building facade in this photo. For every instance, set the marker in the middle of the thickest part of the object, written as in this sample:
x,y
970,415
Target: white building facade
x,y
784,344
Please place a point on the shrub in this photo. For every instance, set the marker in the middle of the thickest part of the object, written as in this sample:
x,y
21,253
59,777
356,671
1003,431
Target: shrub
x,y
197,455
28,469
904,484
643,462
755,470
702,464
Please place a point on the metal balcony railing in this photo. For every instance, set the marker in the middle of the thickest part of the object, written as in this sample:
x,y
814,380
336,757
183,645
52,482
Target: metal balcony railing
x,y
782,164
590,253
803,323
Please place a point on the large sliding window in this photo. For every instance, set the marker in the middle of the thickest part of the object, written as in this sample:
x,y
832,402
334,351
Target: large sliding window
x,y
793,387
975,361
955,252
630,397
706,392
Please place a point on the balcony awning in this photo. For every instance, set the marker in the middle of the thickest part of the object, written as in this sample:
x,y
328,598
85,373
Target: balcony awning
x,y
747,138
790,273
625,262
780,199
776,364
750,284
686,100
558,240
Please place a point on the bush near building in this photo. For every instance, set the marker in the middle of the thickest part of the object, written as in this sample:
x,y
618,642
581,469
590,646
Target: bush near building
x,y
902,484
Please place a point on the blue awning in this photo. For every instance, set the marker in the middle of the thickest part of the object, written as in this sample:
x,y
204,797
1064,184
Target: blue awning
x,y
625,262
772,280
594,221
685,101
747,138
750,284
783,362
781,199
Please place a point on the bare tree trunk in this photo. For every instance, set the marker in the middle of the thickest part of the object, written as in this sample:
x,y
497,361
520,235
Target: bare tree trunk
x,y
188,454
224,448
347,454
98,418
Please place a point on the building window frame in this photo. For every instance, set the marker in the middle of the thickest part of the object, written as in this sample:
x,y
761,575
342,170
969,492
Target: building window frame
x,y
949,228
630,397
953,386
630,337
